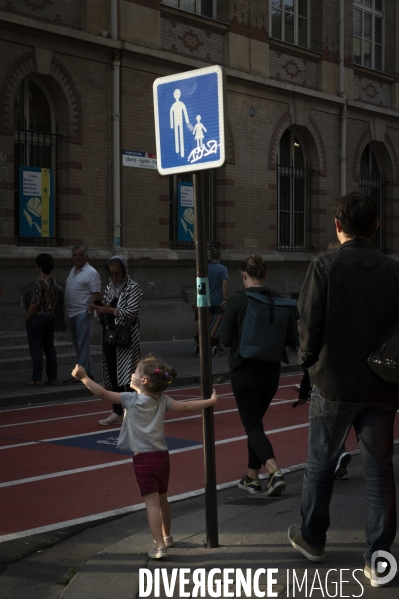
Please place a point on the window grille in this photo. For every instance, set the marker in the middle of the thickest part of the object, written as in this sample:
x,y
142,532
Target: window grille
x,y
293,213
376,187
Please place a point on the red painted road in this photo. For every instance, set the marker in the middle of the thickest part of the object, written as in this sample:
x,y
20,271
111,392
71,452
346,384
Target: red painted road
x,y
34,443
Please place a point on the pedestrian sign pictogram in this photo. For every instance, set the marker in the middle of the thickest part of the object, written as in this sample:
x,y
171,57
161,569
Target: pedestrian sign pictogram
x,y
189,120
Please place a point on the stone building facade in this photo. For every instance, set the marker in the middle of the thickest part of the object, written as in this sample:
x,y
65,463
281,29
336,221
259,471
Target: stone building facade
x,y
312,111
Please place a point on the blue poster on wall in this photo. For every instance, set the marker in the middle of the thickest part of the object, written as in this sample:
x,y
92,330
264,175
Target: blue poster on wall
x,y
36,202
185,198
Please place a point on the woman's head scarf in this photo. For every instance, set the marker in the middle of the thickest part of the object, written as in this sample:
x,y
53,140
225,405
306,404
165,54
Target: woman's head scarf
x,y
115,289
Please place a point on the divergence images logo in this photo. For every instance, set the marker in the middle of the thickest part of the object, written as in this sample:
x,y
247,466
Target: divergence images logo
x,y
385,561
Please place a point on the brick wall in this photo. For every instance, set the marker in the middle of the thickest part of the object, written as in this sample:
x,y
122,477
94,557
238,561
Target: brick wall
x,y
372,90
187,37
293,67
59,12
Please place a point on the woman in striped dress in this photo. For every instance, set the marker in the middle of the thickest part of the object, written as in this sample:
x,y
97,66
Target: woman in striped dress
x,y
120,306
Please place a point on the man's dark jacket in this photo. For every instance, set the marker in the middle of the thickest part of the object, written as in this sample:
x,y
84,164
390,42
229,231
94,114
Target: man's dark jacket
x,y
348,299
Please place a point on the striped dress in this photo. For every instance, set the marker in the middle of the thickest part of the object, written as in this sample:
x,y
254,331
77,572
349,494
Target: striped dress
x,y
128,311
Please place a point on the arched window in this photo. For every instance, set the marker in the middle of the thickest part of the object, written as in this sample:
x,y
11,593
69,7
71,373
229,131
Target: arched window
x,y
34,146
372,181
293,188
33,124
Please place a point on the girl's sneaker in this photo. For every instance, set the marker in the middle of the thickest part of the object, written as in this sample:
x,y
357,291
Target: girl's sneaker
x,y
158,553
168,541
252,485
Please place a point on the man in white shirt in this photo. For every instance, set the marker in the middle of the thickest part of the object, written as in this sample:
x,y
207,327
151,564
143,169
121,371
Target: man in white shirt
x,y
83,287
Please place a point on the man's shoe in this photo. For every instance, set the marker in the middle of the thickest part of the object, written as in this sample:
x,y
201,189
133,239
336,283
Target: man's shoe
x,y
298,543
112,419
373,576
341,472
276,484
158,553
252,485
71,381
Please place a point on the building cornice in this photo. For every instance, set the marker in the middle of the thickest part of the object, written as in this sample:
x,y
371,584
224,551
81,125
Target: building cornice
x,y
160,56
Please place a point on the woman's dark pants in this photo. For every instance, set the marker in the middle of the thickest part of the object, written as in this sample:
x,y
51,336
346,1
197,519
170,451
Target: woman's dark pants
x,y
254,385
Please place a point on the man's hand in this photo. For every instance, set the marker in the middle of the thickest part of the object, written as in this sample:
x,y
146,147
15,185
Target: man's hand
x,y
79,372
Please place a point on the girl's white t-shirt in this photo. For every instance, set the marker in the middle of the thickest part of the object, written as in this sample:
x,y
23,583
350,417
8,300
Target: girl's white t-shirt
x,y
143,422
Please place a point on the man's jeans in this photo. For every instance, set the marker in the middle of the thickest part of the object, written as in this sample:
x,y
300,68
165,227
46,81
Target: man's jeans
x,y
81,327
329,425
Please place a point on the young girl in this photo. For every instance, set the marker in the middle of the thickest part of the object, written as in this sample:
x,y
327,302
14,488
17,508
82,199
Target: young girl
x,y
143,433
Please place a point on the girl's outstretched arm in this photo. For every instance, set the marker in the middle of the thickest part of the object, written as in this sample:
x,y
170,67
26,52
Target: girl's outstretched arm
x,y
193,406
79,373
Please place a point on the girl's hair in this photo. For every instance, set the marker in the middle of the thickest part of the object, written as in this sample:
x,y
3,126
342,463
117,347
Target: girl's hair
x,y
159,374
255,266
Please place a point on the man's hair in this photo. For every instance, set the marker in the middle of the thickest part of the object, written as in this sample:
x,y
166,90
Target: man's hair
x,y
45,262
79,247
215,254
358,214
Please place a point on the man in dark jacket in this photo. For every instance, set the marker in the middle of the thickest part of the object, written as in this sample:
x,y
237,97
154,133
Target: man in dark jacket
x,y
348,299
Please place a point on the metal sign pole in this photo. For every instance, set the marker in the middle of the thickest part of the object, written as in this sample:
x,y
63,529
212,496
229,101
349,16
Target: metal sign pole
x,y
205,360
189,111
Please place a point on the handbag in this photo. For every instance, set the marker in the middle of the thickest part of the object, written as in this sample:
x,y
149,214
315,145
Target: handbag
x,y
116,335
384,360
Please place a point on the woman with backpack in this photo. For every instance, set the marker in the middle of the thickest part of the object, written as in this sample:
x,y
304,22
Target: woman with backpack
x,y
254,381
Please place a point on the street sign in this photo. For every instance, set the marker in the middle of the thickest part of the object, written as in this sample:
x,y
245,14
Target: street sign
x,y
189,111
139,159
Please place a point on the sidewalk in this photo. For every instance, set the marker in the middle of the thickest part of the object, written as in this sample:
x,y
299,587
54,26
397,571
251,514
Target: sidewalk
x,y
252,534
179,354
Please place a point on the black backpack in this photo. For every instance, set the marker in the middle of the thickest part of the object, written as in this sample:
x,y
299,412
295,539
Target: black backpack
x,y
265,326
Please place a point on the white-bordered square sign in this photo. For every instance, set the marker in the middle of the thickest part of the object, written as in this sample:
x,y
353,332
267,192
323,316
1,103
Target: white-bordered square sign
x,y
189,110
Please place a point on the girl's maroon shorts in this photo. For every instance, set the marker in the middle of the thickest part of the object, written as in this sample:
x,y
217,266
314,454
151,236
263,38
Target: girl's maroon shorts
x,y
152,471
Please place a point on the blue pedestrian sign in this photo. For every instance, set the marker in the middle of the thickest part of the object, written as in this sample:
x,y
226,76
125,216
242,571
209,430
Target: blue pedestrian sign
x,y
189,120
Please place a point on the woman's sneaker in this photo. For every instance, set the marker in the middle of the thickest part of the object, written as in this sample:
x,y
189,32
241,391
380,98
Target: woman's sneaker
x,y
252,485
276,484
158,553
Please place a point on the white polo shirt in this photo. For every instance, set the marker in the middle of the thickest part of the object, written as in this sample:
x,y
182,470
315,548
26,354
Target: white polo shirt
x,y
79,290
